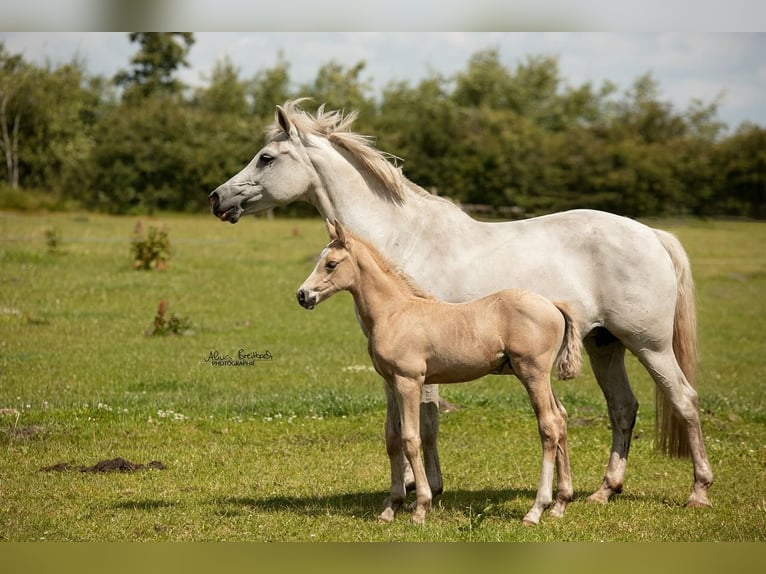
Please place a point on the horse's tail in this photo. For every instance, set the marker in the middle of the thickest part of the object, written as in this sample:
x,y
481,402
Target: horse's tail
x,y
569,360
671,435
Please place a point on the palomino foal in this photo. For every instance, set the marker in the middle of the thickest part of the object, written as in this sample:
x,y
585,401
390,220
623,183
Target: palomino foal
x,y
415,339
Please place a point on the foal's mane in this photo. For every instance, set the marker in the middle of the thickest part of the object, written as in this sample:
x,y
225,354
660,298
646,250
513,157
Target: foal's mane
x,y
335,126
389,268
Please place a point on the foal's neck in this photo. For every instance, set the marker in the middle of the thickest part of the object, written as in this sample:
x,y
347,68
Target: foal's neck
x,y
379,290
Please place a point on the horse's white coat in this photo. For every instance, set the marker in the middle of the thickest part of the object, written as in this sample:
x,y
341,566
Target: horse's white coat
x,y
614,272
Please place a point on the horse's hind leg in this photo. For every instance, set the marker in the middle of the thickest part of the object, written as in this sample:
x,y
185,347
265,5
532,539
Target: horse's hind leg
x,y
607,357
666,372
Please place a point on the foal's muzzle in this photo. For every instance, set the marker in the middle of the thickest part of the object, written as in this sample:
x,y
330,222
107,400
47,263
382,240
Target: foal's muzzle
x,y
306,299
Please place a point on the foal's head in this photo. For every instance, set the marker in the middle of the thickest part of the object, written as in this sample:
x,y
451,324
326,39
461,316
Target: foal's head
x,y
335,270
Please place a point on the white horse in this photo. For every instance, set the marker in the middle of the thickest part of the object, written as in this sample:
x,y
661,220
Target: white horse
x,y
629,285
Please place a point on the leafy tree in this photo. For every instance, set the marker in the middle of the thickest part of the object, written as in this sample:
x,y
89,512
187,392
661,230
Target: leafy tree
x,y
486,82
515,139
740,165
47,116
341,88
225,93
14,87
271,87
160,55
422,125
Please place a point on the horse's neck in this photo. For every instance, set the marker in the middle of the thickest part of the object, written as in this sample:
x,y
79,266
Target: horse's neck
x,y
377,292
396,228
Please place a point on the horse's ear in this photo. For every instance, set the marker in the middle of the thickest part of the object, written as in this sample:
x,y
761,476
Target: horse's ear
x,y
284,122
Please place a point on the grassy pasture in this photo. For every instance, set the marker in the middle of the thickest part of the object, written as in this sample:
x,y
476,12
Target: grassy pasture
x,y
292,448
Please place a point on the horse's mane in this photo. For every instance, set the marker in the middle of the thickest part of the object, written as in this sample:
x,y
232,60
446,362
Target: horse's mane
x,y
388,267
335,126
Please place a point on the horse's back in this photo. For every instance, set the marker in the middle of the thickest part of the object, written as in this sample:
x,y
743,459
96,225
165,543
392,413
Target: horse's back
x,y
614,271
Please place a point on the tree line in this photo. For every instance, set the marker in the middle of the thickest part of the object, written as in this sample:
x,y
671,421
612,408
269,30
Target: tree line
x,y
516,141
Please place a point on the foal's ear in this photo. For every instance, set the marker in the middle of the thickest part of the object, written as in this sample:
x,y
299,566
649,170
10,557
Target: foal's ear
x,y
340,233
336,232
330,230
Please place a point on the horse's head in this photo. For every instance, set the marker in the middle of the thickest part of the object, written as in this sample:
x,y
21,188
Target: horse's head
x,y
335,270
280,173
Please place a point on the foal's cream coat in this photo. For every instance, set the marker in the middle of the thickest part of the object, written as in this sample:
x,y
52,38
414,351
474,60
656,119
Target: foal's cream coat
x,y
415,339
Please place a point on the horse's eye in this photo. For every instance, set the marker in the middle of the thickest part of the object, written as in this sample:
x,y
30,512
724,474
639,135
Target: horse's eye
x,y
266,159
331,265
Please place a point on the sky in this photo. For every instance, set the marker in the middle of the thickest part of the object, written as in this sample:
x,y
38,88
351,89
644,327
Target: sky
x,y
725,67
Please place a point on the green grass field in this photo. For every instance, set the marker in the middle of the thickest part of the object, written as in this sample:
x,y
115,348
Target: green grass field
x,y
292,448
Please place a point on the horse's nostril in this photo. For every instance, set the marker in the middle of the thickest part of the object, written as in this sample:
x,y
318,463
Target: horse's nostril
x,y
215,201
301,297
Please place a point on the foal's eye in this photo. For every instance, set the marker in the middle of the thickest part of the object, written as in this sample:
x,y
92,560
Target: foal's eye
x,y
266,159
330,265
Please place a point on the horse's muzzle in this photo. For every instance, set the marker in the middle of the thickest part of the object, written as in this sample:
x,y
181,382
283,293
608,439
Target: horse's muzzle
x,y
231,215
306,300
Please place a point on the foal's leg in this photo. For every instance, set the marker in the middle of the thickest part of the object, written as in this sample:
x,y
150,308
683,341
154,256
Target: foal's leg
x,y
607,357
408,398
550,424
666,372
397,491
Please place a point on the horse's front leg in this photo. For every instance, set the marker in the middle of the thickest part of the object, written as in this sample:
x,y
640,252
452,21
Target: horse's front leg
x,y
429,429
397,492
564,491
408,399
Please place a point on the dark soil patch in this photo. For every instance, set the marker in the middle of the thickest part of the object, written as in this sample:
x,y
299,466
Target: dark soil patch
x,y
118,464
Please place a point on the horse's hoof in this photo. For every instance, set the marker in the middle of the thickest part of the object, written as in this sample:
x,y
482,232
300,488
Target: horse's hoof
x,y
529,522
419,518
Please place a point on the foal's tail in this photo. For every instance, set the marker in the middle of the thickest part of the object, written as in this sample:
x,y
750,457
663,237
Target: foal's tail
x,y
569,360
670,431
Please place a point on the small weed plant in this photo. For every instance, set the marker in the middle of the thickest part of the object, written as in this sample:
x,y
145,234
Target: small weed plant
x,y
53,240
150,251
172,325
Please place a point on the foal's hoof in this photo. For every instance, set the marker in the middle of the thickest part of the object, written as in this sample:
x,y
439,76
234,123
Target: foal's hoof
x,y
601,496
419,517
386,516
558,510
698,501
